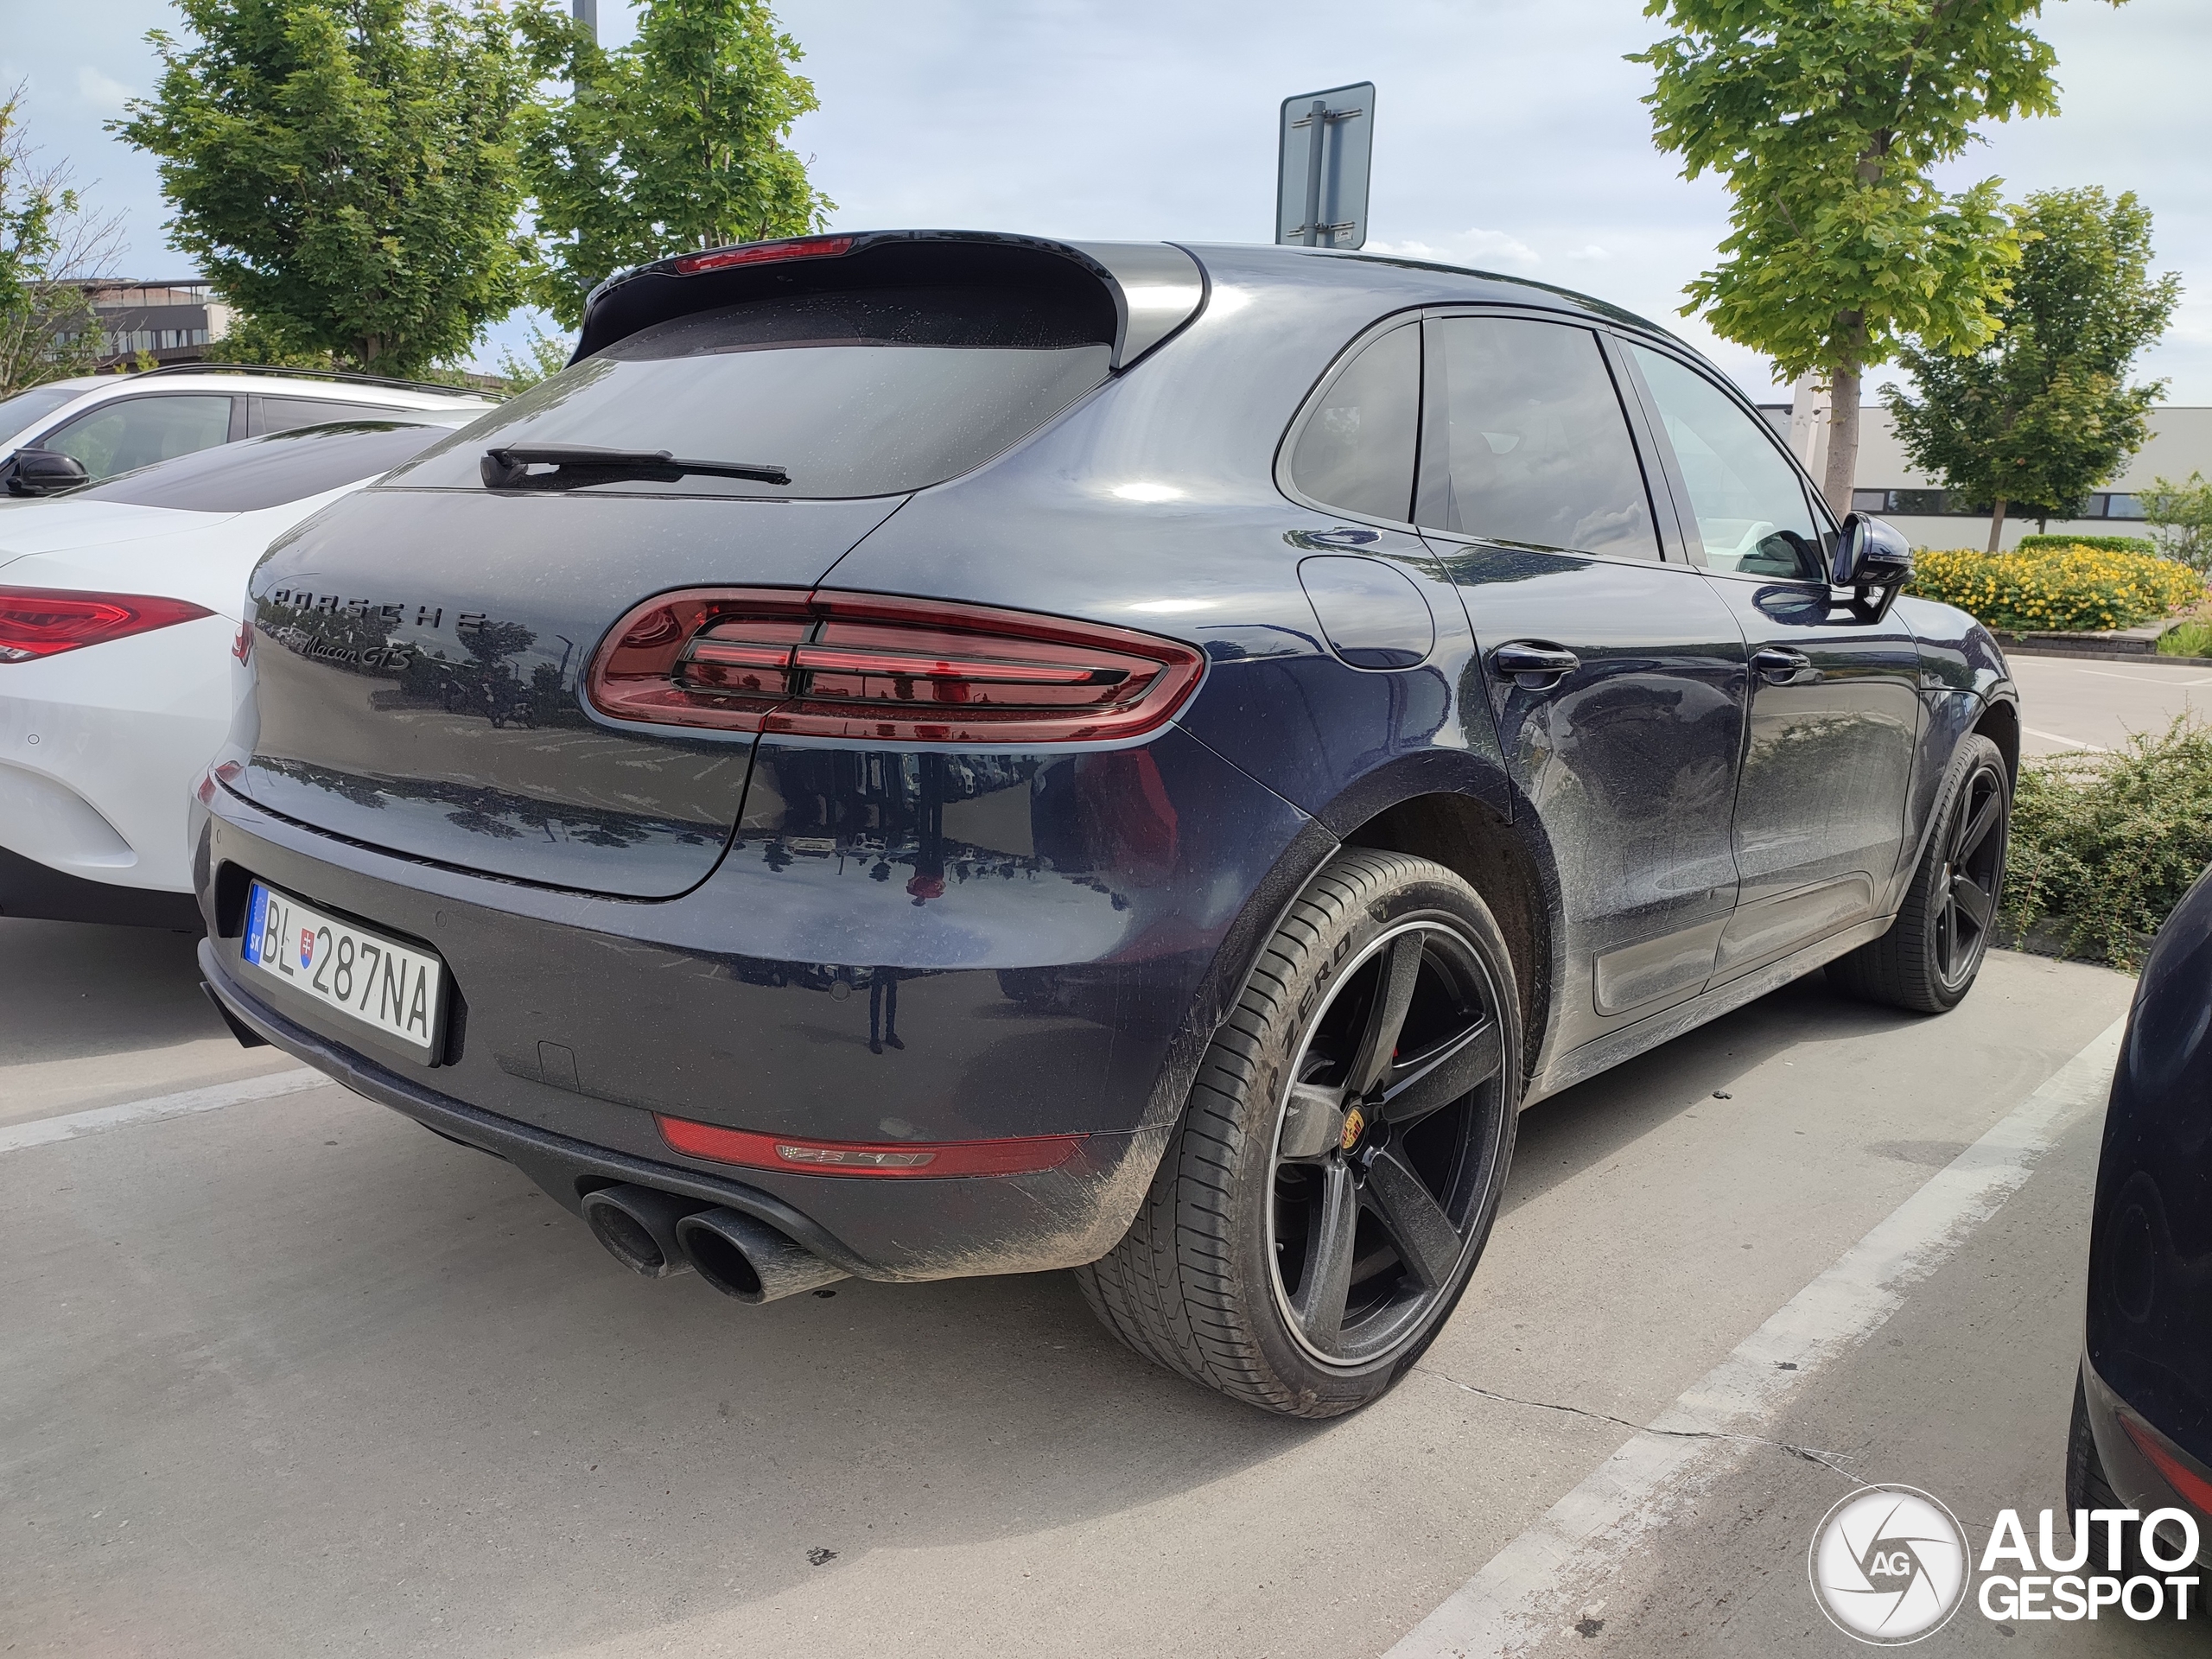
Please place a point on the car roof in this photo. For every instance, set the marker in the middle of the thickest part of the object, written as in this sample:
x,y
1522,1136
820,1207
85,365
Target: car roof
x,y
237,380
1421,282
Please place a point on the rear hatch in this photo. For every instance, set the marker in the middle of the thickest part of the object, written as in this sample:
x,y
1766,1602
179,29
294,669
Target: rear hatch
x,y
419,648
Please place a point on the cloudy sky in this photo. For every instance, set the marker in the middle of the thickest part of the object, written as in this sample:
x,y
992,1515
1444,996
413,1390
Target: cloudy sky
x,y
1509,132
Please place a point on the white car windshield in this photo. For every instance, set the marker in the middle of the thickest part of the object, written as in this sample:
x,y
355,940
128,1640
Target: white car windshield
x,y
29,408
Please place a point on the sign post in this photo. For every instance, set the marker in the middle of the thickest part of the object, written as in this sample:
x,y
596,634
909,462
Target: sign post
x,y
1321,172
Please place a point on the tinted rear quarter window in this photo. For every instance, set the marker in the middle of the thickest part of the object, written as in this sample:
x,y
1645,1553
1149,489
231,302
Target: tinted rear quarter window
x,y
861,393
268,472
1523,440
1356,450
283,414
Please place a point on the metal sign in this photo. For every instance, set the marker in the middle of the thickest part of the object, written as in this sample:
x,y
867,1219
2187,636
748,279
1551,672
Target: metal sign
x,y
1321,178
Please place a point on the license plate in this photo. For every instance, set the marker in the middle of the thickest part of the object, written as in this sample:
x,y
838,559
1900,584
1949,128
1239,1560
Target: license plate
x,y
378,981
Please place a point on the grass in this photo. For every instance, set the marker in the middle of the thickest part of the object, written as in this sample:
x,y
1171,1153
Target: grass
x,y
2191,638
2106,844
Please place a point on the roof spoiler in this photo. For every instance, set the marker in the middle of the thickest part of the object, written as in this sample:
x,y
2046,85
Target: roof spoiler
x,y
1155,287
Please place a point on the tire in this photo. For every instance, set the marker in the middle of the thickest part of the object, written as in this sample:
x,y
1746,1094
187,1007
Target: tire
x,y
1928,960
1288,1252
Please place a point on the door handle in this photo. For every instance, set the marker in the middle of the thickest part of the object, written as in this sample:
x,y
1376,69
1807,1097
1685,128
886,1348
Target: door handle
x,y
1779,665
1532,665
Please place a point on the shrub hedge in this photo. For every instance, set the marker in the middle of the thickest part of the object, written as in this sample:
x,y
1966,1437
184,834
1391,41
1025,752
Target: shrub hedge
x,y
2142,545
2069,589
2110,843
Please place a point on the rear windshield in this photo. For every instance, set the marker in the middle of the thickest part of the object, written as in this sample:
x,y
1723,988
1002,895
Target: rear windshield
x,y
866,393
268,472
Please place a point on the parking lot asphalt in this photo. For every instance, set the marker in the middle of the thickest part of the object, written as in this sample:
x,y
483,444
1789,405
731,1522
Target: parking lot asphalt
x,y
292,1376
2068,704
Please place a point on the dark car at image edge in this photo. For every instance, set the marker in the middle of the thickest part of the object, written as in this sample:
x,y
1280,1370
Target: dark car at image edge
x,y
925,753
2142,1431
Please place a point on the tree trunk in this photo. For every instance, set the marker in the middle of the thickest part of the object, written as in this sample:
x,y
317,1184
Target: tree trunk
x,y
1997,524
1843,437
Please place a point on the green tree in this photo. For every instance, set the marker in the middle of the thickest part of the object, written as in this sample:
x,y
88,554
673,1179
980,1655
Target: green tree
x,y
674,141
252,339
2041,415
344,170
1825,119
2180,517
48,245
543,357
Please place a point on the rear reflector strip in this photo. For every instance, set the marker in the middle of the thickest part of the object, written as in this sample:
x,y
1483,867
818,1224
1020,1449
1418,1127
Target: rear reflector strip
x,y
2179,1476
1025,1155
36,622
882,669
763,253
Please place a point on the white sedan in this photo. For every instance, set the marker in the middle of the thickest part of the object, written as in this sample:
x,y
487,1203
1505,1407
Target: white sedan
x,y
120,608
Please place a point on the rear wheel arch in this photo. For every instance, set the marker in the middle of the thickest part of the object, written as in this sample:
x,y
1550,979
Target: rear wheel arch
x,y
1474,842
2000,724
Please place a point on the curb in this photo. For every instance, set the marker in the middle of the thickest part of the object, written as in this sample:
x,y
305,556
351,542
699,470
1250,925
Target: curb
x,y
2150,656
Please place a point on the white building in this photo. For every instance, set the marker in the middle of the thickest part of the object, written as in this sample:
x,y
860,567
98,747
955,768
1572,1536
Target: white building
x,y
2180,443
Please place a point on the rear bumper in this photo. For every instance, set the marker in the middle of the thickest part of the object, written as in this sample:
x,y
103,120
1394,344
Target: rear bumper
x,y
2133,1478
1016,1002
906,1230
99,749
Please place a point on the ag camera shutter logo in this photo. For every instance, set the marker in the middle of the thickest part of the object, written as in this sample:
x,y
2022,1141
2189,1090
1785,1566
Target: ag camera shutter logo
x,y
1889,1565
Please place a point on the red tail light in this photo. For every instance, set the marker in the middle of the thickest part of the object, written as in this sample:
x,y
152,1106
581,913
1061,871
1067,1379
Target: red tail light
x,y
38,622
761,253
2179,1476
899,670
1020,1155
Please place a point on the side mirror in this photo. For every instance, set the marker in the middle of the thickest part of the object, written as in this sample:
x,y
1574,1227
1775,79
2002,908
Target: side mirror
x,y
1872,554
45,472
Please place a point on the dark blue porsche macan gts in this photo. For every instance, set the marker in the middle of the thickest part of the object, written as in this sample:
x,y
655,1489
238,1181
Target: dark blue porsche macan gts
x,y
927,753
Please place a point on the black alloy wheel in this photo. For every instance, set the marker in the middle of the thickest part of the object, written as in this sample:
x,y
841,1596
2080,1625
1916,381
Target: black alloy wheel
x,y
1974,864
1928,960
1378,1165
1334,1181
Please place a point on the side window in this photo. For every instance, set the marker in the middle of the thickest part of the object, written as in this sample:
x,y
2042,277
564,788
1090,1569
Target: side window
x,y
134,432
1747,499
288,414
1356,450
1523,440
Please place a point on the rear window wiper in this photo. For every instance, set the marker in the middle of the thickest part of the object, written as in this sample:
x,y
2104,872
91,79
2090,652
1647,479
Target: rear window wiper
x,y
578,464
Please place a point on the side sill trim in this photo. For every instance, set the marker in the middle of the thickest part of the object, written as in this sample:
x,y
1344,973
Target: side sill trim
x,y
1611,1049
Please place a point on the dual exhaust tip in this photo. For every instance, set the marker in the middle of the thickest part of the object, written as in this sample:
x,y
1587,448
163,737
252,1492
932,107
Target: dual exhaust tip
x,y
659,1235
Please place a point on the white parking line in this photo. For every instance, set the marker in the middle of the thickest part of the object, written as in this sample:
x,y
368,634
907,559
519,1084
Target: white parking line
x,y
43,1131
2075,742
1531,1586
2144,679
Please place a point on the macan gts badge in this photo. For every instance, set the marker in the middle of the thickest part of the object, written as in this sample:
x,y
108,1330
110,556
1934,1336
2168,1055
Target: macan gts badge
x,y
925,753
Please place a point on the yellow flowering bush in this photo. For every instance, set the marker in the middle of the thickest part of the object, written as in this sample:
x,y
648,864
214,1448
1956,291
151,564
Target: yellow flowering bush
x,y
2066,589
